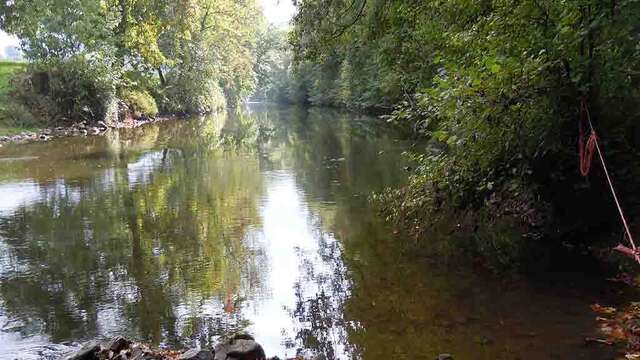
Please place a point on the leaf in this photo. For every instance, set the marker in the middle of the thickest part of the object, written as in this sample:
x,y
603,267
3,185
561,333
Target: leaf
x,y
603,310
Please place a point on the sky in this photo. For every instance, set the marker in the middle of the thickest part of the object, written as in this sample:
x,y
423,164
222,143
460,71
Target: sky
x,y
6,40
277,12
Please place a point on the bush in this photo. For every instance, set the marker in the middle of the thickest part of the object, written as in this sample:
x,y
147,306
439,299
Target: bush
x,y
190,94
140,102
15,118
69,90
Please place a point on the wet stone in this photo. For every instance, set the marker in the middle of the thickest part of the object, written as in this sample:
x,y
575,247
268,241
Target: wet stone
x,y
239,349
445,357
87,352
195,354
116,344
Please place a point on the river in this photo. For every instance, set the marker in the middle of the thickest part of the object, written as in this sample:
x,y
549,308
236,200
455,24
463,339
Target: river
x,y
177,233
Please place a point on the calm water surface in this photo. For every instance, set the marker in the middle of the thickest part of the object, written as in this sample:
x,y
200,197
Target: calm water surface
x,y
180,232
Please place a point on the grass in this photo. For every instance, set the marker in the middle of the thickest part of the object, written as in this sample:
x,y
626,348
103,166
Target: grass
x,y
14,118
7,70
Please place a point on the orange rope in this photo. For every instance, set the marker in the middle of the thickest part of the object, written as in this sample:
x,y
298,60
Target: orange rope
x,y
586,155
585,151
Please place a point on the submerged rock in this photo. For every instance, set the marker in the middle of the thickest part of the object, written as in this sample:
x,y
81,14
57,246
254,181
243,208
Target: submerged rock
x,y
445,357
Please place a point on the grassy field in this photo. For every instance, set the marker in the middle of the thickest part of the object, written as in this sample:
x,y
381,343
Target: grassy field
x,y
12,117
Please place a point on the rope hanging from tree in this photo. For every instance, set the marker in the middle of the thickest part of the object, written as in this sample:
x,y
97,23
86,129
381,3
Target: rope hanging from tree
x,y
586,149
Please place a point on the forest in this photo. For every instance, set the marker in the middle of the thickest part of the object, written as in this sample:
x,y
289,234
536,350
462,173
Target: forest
x,y
494,89
516,119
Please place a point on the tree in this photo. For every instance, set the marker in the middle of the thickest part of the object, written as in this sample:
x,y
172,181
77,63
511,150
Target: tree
x,y
192,56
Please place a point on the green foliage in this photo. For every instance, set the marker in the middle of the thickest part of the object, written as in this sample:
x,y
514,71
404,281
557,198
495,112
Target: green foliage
x,y
69,90
8,69
192,56
140,102
494,89
14,117
187,95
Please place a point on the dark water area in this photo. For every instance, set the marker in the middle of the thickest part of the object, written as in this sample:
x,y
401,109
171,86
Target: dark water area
x,y
180,232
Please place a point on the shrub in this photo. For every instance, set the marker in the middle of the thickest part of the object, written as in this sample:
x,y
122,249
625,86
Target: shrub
x,y
190,94
140,102
69,90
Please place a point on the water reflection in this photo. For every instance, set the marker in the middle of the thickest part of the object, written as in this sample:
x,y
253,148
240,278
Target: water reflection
x,y
181,232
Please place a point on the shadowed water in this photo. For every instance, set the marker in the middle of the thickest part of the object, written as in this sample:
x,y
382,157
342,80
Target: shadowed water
x,y
181,232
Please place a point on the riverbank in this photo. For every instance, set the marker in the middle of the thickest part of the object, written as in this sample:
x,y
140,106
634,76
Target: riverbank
x,y
77,129
238,347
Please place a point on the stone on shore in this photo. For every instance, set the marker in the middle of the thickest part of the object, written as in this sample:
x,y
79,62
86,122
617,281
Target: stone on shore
x,y
87,352
195,354
240,347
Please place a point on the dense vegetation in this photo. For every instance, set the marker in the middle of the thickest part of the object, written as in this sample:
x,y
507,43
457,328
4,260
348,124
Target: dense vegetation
x,y
87,56
494,89
491,90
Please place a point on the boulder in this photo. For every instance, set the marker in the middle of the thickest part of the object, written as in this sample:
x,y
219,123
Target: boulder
x,y
102,126
240,347
87,352
196,354
116,344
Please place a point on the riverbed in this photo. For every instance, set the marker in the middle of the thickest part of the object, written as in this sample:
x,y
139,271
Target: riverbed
x,y
180,232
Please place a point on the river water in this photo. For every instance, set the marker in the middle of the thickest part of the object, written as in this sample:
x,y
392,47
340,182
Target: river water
x,y
180,232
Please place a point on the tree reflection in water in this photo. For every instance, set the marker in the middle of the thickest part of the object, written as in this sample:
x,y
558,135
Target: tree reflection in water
x,y
181,232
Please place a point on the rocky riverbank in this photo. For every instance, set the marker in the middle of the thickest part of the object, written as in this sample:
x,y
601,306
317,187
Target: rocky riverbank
x,y
239,347
77,129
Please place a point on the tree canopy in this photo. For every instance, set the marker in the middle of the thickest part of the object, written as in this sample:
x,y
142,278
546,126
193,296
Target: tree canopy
x,y
191,56
494,88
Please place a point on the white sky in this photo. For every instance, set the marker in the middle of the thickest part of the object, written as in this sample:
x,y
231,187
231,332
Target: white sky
x,y
6,40
277,12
